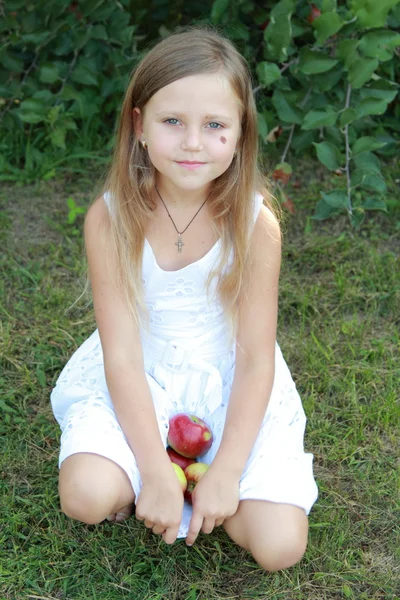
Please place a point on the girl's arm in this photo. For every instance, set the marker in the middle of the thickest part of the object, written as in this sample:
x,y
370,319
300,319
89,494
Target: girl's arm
x,y
216,496
255,349
122,348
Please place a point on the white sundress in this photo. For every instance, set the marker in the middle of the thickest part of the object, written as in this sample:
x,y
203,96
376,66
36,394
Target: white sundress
x,y
189,367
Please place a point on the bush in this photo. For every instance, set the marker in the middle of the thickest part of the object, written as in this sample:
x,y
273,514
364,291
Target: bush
x,y
324,80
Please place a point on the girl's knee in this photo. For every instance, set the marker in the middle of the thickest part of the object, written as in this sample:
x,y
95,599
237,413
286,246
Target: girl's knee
x,y
82,502
279,555
87,492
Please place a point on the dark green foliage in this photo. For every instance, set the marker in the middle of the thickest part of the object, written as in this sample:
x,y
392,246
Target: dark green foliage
x,y
324,80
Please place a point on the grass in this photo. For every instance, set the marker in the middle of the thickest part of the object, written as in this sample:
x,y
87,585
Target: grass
x,y
339,332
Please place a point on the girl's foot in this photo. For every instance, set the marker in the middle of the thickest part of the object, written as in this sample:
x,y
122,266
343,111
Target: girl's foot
x,y
122,514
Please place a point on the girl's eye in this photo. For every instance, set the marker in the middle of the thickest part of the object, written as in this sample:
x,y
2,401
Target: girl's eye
x,y
214,123
169,121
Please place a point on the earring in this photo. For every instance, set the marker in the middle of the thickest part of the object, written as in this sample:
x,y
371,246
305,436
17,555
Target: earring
x,y
144,144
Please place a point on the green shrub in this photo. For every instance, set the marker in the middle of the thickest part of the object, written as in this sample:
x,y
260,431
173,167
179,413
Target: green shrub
x,y
324,79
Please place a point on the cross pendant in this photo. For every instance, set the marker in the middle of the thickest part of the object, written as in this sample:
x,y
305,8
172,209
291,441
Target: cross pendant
x,y
179,243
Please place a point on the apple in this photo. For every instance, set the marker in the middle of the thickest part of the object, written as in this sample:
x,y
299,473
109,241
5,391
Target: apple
x,y
313,14
189,436
181,476
193,474
178,459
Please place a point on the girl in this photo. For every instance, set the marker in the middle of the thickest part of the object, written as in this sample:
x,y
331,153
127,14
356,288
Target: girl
x,y
184,250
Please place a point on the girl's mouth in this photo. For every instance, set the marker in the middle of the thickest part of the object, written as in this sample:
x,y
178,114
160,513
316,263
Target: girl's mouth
x,y
190,165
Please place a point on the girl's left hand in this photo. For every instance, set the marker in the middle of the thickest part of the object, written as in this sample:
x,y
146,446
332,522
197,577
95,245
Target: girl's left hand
x,y
214,499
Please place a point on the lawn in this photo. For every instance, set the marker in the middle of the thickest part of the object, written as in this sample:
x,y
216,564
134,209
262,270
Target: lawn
x,y
339,332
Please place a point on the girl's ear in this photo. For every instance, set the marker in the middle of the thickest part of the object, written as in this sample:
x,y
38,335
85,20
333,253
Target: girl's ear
x,y
137,122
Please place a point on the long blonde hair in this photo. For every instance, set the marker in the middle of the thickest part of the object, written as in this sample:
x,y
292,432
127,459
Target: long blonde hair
x,y
131,177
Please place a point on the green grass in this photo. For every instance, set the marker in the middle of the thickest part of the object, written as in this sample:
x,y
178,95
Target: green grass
x,y
339,332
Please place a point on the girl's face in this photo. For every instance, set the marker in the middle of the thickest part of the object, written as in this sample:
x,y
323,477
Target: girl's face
x,y
191,128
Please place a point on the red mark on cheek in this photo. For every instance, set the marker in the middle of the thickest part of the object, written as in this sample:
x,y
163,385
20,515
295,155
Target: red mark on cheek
x,y
223,139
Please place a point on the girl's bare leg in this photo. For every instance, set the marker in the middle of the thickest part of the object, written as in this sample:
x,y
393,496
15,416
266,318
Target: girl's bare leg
x,y
93,488
275,534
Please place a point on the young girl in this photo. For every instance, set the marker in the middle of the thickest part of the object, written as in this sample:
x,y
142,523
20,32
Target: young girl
x,y
184,253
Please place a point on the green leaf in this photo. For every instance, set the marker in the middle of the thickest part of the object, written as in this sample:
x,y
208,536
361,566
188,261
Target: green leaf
x,y
372,203
33,106
347,51
356,219
329,155
303,139
328,5
381,89
372,13
237,31
326,25
323,211
64,44
13,5
372,106
218,9
278,36
41,377
347,591
326,81
69,124
313,61
366,143
48,74
126,35
282,8
368,162
71,204
357,177
336,198
99,32
268,73
35,38
11,62
374,182
262,126
379,44
319,118
83,75
98,11
298,28
286,112
348,116
29,117
57,138
361,71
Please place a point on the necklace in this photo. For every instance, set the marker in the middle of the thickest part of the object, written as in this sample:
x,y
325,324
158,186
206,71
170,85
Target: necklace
x,y
179,243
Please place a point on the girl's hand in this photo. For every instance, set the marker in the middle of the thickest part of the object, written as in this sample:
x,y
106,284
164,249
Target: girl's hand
x,y
214,499
160,504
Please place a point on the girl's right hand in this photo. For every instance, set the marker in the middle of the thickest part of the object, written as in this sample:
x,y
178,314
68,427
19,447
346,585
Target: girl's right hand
x,y
160,504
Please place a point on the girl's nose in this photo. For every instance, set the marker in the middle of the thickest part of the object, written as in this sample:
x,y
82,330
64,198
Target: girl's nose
x,y
192,140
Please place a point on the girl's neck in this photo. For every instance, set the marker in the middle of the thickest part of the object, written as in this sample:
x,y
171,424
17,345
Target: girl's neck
x,y
178,198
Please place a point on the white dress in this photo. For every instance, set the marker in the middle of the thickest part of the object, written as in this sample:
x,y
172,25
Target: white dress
x,y
189,368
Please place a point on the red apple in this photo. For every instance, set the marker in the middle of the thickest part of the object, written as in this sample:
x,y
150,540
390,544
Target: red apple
x,y
189,436
181,476
193,474
313,14
178,459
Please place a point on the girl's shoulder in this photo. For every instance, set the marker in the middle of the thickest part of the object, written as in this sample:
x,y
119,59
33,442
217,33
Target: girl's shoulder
x,y
266,218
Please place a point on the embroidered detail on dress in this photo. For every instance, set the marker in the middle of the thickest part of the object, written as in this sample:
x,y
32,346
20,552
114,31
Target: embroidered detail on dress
x,y
181,287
